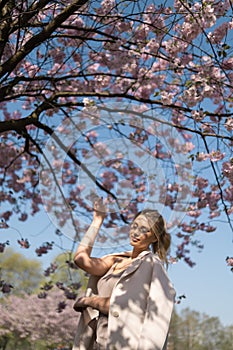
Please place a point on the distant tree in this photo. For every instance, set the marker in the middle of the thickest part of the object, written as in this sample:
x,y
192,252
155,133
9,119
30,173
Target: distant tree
x,y
175,340
63,273
24,274
211,333
65,270
226,338
192,330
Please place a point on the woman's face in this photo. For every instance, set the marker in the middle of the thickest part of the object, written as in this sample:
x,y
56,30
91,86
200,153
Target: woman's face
x,y
141,235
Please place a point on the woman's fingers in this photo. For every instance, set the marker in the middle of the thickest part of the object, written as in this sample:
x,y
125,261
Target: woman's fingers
x,y
98,204
100,208
79,305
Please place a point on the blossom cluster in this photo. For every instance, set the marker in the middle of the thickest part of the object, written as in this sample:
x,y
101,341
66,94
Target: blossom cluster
x,y
170,63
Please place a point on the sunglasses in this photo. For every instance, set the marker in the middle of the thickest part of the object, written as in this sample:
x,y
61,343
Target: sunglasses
x,y
142,229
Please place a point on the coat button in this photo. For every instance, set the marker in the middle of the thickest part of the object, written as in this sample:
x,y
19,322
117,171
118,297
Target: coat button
x,y
115,313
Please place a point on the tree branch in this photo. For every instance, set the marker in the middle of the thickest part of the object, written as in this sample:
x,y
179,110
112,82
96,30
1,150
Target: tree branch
x,y
23,18
77,161
219,185
5,25
55,179
36,40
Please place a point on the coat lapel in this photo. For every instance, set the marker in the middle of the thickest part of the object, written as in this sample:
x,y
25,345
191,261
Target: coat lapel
x,y
135,264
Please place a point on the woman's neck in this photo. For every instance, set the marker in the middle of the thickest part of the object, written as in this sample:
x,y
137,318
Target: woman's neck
x,y
136,252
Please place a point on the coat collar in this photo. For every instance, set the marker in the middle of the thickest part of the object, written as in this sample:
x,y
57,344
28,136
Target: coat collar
x,y
135,263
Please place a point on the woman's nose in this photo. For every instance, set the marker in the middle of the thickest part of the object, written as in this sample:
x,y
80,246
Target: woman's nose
x,y
136,233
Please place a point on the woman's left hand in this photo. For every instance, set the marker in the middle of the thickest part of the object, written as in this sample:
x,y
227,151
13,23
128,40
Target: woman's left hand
x,y
96,302
81,304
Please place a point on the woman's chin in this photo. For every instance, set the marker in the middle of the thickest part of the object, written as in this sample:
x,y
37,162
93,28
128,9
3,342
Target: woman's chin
x,y
134,242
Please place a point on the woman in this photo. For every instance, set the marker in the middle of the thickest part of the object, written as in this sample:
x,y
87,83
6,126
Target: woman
x,y
130,298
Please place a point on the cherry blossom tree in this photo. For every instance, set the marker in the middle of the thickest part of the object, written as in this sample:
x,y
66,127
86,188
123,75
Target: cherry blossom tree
x,y
127,100
30,320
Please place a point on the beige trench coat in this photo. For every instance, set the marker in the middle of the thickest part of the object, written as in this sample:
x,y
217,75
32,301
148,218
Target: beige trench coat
x,y
141,305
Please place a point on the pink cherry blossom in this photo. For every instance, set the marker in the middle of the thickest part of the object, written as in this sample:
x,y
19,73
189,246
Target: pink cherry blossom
x,y
227,169
214,214
202,156
228,194
218,34
229,124
201,182
215,156
163,76
229,261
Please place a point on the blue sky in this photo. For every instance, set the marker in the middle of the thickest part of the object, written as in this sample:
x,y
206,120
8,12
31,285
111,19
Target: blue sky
x,y
208,286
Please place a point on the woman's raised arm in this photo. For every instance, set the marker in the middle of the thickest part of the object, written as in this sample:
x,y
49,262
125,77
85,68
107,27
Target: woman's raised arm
x,y
82,258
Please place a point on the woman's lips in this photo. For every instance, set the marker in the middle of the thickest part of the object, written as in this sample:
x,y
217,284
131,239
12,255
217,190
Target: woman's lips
x,y
134,239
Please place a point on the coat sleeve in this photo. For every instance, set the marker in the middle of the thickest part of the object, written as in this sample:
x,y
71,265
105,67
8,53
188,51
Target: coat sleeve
x,y
85,333
158,313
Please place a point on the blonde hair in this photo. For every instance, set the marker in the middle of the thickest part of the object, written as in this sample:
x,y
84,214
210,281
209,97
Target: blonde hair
x,y
159,229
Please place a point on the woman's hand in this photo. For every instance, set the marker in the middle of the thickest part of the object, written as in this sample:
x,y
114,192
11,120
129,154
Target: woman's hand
x,y
100,210
96,302
81,304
